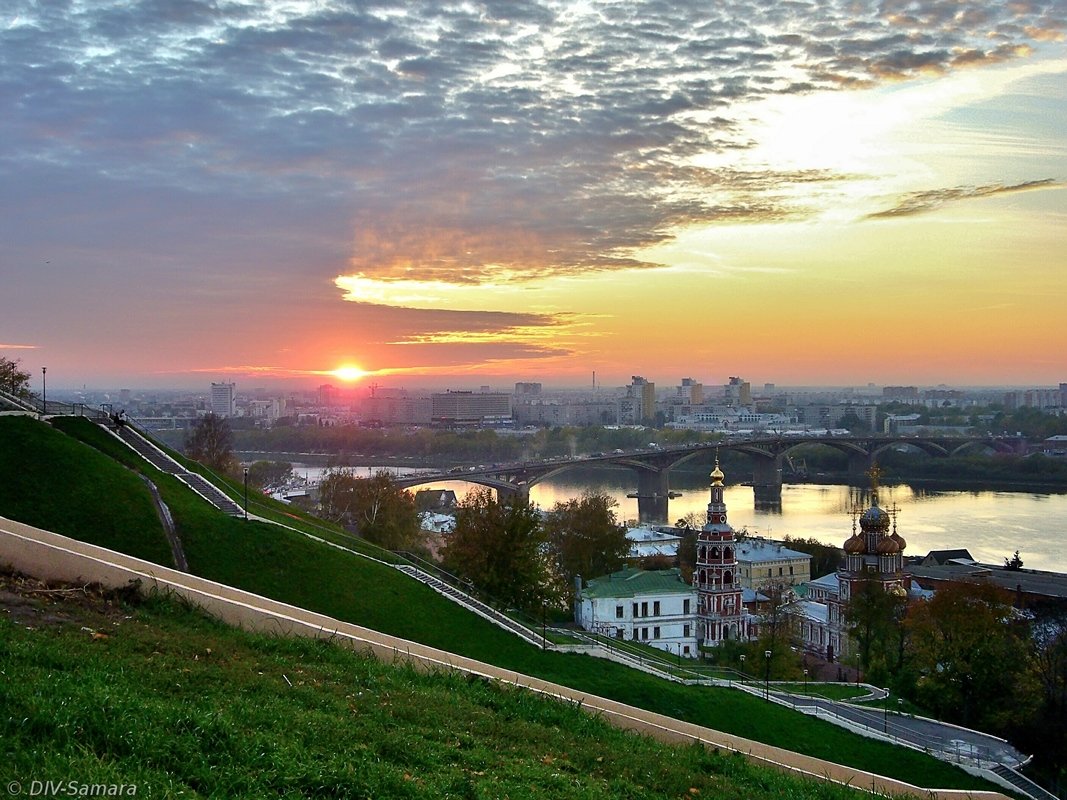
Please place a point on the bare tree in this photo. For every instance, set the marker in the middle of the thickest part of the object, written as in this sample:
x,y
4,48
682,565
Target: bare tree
x,y
210,441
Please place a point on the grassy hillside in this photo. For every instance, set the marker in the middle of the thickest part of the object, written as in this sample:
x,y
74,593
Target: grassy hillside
x,y
158,696
60,484
289,567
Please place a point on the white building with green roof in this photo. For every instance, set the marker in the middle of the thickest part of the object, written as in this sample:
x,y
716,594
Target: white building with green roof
x,y
654,607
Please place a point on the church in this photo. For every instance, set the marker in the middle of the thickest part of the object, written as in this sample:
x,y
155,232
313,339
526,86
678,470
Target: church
x,y
874,552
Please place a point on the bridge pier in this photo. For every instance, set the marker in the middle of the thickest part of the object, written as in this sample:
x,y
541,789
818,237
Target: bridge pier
x,y
521,494
859,467
653,493
767,482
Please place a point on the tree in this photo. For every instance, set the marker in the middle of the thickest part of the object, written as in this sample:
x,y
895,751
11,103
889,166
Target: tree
x,y
210,441
874,617
13,379
777,632
499,547
971,655
382,512
825,558
264,474
1015,563
585,537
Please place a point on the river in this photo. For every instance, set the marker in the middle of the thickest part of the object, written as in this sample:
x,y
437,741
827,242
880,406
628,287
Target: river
x,y
992,525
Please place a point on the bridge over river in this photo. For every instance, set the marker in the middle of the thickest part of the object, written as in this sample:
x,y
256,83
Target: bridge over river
x,y
652,466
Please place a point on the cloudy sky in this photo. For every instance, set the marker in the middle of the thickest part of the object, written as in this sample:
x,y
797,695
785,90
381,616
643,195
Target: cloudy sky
x,y
477,192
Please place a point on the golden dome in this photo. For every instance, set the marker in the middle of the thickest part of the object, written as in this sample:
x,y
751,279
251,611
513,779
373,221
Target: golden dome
x,y
717,476
887,546
855,546
898,591
901,542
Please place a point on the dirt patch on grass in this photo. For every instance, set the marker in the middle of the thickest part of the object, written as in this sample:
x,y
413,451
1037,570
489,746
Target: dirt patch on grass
x,y
34,603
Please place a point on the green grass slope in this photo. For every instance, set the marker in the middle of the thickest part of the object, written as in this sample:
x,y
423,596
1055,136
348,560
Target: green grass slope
x,y
287,566
54,482
160,698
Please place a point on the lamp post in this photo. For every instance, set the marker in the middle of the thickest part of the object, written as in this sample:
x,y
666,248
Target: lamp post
x,y
246,494
885,719
805,681
544,624
767,676
44,391
745,674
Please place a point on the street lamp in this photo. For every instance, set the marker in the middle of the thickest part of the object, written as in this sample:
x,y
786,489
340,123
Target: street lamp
x,y
767,676
544,624
805,681
246,494
44,391
885,723
743,665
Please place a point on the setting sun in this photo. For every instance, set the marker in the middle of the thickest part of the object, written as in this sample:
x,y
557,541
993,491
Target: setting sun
x,y
348,373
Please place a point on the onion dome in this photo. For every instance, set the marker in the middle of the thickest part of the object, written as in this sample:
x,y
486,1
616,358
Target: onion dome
x,y
874,520
887,546
717,475
900,540
855,546
898,591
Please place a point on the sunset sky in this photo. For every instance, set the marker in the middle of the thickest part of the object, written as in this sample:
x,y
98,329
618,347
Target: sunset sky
x,y
471,193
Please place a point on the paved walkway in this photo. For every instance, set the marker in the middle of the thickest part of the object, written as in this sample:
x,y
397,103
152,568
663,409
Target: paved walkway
x,y
950,742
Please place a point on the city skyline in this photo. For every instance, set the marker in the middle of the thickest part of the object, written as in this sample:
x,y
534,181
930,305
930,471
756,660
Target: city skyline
x,y
308,192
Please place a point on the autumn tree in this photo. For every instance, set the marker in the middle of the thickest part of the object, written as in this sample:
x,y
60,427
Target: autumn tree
x,y
971,654
585,537
378,509
875,623
13,379
1045,733
210,441
500,548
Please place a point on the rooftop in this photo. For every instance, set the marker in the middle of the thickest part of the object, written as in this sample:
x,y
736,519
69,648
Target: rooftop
x,y
764,550
1029,581
631,582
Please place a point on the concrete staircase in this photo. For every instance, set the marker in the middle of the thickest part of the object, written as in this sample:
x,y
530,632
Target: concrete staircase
x,y
153,455
1023,784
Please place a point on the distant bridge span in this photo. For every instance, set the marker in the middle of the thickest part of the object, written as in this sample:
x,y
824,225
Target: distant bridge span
x,y
653,465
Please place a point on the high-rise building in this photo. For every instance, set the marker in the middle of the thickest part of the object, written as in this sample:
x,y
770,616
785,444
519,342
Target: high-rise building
x,y
639,404
223,399
738,392
691,392
524,388
471,408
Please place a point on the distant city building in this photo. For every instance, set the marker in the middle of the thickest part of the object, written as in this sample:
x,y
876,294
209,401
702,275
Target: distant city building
x,y
737,392
223,399
527,389
395,407
559,412
470,408
639,403
900,393
691,392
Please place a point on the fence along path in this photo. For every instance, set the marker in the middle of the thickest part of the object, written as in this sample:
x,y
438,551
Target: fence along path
x,y
50,556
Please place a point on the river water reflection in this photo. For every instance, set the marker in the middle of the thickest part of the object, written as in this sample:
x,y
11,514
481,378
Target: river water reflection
x,y
991,525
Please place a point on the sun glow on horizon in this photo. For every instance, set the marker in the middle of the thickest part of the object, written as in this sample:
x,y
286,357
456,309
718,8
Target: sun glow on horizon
x,y
348,372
